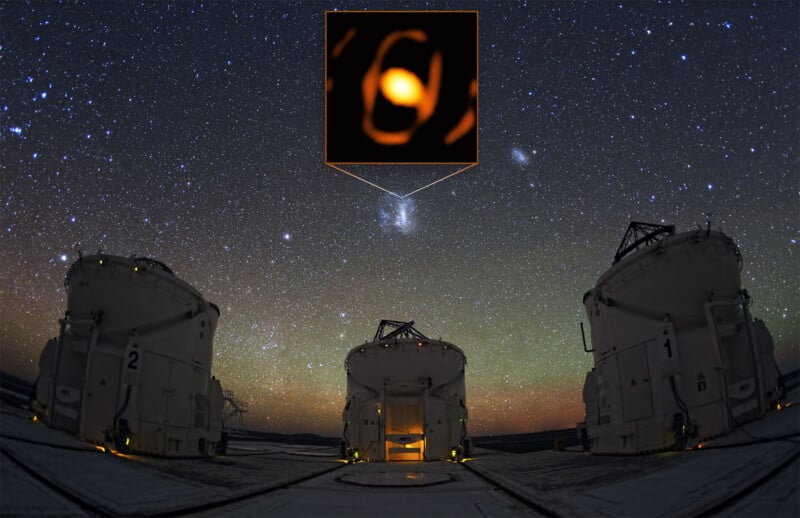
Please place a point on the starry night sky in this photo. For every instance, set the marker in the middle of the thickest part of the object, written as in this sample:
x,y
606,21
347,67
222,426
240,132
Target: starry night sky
x,y
193,133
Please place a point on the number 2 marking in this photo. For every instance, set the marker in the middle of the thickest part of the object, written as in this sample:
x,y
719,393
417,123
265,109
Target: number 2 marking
x,y
134,358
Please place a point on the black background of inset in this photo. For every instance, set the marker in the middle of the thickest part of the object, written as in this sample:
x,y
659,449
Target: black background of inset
x,y
454,34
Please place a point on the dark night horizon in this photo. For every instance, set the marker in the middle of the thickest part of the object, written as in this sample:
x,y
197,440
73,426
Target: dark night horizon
x,y
192,133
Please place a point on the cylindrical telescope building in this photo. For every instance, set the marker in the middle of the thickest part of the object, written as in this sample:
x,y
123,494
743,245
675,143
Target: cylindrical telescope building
x,y
406,398
677,356
131,367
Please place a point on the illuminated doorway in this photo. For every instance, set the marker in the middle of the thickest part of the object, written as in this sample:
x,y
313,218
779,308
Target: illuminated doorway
x,y
405,439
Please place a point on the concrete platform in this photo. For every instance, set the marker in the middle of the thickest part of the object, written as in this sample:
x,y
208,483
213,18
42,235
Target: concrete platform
x,y
685,483
753,471
401,476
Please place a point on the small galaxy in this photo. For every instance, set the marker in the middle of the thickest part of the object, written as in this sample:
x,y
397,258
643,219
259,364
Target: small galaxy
x,y
398,214
520,156
193,133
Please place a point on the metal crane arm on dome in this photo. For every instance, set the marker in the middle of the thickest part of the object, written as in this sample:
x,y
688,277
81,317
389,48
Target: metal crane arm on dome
x,y
402,329
639,234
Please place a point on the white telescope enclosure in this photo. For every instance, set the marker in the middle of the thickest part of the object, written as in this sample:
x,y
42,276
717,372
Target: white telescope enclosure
x,y
406,398
131,367
677,356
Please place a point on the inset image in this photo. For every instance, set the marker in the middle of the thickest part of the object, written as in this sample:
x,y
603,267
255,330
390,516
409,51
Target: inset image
x,y
401,87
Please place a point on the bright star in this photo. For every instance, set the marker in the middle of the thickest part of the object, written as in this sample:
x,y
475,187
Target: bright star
x,y
401,87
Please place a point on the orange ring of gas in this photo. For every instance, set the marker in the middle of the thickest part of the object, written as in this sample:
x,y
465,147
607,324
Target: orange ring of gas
x,y
401,87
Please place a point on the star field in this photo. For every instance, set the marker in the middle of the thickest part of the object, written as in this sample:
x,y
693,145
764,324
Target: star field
x,y
192,132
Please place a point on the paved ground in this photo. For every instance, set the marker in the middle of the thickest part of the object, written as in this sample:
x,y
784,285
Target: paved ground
x,y
457,493
303,480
